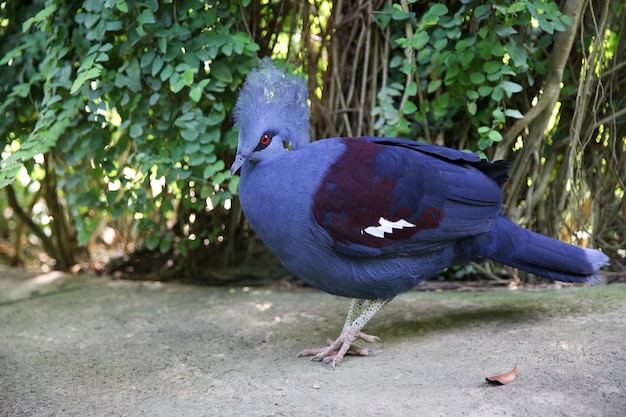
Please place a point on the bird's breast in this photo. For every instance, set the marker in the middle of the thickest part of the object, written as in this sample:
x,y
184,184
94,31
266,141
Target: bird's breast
x,y
277,196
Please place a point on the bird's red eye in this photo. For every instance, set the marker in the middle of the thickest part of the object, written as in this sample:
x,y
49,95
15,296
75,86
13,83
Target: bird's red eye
x,y
265,140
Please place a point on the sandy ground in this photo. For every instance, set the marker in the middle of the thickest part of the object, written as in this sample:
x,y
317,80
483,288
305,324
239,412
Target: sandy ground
x,y
85,346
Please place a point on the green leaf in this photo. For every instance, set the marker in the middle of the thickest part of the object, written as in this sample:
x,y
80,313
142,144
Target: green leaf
x,y
195,93
467,58
188,76
510,87
440,105
494,136
516,7
227,49
41,16
504,31
8,172
424,55
472,108
491,67
433,86
146,17
240,41
189,134
157,64
167,72
440,44
132,81
221,71
21,90
192,147
496,94
558,26
408,68
12,54
409,108
515,114
211,169
431,17
219,178
498,115
183,120
497,49
147,58
85,76
135,130
483,32
411,89
438,9
162,45
462,45
517,53
92,5
566,20
482,12
398,14
484,143
477,78
102,57
452,74
91,19
196,159
176,82
215,117
152,241
419,40
165,245
211,135
233,184
122,6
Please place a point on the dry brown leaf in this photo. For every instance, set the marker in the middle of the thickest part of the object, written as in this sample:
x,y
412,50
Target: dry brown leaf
x,y
503,379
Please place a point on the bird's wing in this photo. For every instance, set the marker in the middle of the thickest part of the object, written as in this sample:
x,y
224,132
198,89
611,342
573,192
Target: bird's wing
x,y
391,197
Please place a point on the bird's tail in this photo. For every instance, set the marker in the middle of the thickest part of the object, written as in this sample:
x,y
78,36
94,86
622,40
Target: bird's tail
x,y
513,245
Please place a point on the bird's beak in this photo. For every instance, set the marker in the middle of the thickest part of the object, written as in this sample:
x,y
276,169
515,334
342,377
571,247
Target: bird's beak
x,y
239,160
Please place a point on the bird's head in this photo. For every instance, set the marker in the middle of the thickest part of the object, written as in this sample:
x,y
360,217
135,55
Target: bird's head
x,y
272,114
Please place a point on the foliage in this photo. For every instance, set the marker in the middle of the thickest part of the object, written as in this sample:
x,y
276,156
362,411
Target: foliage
x,y
128,102
460,67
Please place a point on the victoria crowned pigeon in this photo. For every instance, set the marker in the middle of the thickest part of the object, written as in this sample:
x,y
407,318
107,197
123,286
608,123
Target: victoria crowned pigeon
x,y
371,217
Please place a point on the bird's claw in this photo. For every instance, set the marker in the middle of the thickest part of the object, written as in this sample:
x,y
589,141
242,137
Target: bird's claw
x,y
332,359
336,349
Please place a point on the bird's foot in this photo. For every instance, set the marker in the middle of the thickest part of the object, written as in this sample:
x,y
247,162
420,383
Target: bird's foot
x,y
338,348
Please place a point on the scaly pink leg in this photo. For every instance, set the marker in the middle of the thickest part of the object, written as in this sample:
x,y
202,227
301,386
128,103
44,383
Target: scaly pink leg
x,y
360,312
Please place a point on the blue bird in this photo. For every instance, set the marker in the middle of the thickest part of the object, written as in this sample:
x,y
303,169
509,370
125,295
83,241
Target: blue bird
x,y
371,217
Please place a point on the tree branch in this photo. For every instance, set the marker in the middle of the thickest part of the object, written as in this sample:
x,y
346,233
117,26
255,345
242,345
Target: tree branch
x,y
563,42
47,243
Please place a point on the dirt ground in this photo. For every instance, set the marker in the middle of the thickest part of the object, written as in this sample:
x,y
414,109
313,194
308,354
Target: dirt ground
x,y
86,346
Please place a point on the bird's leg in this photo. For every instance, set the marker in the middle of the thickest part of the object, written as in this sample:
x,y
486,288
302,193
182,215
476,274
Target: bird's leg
x,y
357,308
360,312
